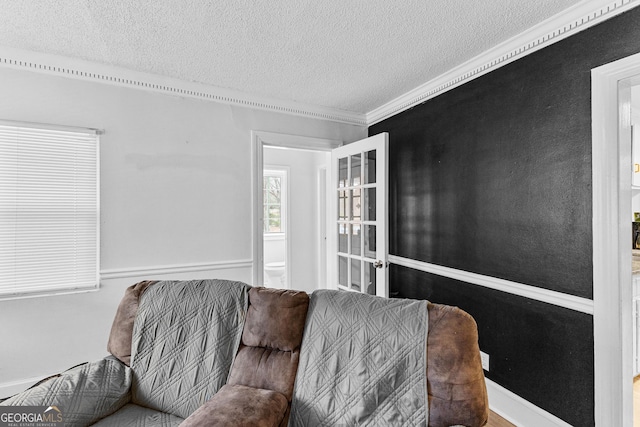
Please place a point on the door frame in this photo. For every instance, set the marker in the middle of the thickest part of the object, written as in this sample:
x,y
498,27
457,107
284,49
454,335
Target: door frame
x,y
321,231
259,139
612,293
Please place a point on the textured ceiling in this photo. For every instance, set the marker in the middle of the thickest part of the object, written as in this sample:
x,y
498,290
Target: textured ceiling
x,y
349,55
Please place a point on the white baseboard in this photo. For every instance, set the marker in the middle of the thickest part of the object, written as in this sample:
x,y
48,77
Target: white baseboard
x,y
519,411
10,388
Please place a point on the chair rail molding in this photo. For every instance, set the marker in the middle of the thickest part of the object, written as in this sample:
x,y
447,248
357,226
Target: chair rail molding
x,y
148,272
527,291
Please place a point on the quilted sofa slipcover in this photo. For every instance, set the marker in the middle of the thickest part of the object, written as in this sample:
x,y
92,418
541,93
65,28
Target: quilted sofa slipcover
x,y
214,347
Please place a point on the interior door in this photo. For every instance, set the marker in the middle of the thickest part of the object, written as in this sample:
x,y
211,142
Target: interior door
x,y
358,213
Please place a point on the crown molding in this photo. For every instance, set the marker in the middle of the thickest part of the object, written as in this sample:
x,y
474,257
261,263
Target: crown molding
x,y
568,22
102,73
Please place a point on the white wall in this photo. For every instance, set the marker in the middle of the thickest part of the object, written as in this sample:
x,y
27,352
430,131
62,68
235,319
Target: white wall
x,y
274,249
303,202
175,191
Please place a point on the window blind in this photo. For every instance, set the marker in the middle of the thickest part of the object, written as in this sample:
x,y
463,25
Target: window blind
x,y
49,209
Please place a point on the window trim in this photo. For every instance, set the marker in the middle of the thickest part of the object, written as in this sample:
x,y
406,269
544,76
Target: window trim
x,y
74,288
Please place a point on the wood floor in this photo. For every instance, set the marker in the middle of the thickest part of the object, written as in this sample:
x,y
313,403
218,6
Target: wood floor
x,y
496,420
636,401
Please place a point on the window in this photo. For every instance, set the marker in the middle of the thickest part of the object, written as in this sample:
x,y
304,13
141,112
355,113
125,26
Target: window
x,y
274,191
49,216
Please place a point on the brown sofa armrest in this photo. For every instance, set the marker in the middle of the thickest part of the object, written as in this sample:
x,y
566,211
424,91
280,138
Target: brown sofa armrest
x,y
455,378
122,329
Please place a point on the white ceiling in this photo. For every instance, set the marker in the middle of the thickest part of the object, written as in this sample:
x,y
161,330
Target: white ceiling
x,y
349,55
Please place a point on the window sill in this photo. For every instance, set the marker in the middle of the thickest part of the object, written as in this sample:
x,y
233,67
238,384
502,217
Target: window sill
x,y
274,236
49,293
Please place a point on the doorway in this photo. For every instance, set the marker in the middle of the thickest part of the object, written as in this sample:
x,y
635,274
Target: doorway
x,y
296,244
277,209
635,245
612,195
294,203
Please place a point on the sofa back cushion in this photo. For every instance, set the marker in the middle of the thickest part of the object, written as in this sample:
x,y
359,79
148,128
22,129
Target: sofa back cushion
x,y
270,350
362,362
185,337
275,318
339,335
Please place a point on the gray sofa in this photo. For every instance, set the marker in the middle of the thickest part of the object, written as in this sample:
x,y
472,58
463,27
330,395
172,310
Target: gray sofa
x,y
216,352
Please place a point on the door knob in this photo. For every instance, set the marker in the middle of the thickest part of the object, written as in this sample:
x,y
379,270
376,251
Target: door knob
x,y
378,264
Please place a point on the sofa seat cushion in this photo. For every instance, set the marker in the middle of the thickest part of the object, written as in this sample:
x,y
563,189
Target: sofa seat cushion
x,y
132,415
238,405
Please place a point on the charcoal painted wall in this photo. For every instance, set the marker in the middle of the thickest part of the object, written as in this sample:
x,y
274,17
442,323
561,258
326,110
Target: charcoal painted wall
x,y
494,177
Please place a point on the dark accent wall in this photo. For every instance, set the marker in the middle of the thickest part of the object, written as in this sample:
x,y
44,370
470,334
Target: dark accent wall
x,y
494,177
522,337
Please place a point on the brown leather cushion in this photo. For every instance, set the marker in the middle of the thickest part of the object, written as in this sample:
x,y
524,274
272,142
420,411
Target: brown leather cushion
x,y
122,329
269,353
275,318
238,405
270,349
266,368
455,379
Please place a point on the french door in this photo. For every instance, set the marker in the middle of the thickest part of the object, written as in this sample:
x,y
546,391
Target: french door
x,y
358,254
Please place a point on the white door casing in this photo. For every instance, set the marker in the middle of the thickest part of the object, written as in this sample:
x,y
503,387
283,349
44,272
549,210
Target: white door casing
x,y
612,296
258,140
358,230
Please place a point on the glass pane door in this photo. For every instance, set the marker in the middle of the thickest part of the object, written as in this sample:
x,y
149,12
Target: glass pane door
x,y
359,197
